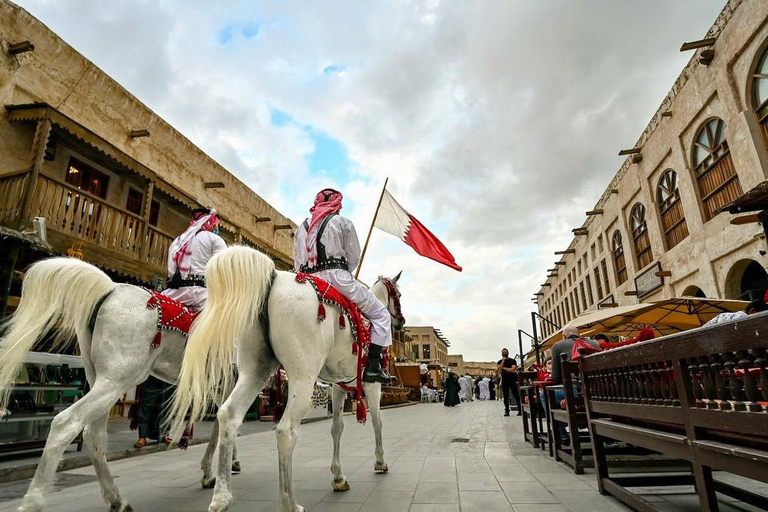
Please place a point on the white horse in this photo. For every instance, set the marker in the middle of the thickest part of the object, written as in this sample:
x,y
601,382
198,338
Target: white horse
x,y
268,313
114,329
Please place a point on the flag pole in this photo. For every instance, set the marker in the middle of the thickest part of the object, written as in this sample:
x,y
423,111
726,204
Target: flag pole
x,y
368,238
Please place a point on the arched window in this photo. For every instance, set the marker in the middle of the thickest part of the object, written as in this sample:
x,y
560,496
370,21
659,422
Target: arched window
x,y
671,209
713,165
760,94
643,251
618,259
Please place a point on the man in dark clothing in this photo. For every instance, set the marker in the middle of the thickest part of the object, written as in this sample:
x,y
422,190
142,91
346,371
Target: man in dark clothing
x,y
565,346
507,366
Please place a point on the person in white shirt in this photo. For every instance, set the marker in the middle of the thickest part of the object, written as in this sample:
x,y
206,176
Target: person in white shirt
x,y
465,392
189,254
484,390
327,246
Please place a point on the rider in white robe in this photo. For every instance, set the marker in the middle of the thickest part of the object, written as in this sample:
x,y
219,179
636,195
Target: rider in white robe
x,y
189,254
327,246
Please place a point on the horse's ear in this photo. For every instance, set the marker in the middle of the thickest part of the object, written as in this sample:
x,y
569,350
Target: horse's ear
x,y
397,276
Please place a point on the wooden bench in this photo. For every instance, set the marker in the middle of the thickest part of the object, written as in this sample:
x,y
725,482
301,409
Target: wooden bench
x,y
576,449
700,396
529,407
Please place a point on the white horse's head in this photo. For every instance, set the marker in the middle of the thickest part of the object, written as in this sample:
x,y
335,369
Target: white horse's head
x,y
387,291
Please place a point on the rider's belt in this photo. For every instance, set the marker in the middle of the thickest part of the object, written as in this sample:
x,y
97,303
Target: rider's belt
x,y
328,264
191,280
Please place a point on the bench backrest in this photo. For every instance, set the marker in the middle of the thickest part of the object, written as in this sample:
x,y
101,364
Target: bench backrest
x,y
715,378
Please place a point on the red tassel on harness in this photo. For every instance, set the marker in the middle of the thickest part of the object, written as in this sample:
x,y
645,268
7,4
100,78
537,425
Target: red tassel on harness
x,y
342,322
156,340
361,413
189,432
321,312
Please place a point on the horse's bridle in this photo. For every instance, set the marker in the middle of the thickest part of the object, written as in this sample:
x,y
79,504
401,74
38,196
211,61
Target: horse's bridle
x,y
392,294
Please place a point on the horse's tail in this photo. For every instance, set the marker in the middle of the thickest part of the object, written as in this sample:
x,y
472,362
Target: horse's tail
x,y
238,280
56,292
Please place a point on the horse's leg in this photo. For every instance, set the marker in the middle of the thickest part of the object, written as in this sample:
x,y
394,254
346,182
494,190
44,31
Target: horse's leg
x,y
64,428
373,393
208,480
339,480
230,417
300,393
95,437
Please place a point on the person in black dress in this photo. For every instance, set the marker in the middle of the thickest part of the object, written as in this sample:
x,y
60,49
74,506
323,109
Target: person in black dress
x,y
452,390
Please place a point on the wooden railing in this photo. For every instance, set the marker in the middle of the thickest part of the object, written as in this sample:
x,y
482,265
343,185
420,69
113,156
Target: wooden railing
x,y
84,216
157,246
81,215
11,195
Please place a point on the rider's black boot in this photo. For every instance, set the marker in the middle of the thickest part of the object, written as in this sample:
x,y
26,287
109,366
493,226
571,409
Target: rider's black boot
x,y
373,371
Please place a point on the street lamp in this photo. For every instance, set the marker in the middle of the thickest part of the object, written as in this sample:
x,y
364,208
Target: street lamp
x,y
520,332
535,336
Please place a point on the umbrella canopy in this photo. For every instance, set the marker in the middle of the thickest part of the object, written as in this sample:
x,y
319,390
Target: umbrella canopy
x,y
666,316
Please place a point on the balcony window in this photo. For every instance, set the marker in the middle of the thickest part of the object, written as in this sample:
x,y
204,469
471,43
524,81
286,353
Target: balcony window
x,y
87,178
642,242
671,209
619,263
133,203
715,173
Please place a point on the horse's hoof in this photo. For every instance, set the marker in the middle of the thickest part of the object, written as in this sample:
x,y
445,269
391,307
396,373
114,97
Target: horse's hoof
x,y
341,486
220,504
381,468
236,466
208,484
121,506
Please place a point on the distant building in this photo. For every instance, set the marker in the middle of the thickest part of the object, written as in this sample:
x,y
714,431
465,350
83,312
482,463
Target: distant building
x,y
656,230
456,363
480,369
428,345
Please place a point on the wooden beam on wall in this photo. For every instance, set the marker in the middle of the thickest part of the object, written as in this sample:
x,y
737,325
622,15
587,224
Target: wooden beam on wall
x,y
701,43
594,212
20,47
213,184
135,134
567,251
580,231
633,151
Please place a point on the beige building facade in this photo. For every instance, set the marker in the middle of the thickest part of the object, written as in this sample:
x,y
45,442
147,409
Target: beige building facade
x,y
427,345
481,369
456,363
657,231
114,182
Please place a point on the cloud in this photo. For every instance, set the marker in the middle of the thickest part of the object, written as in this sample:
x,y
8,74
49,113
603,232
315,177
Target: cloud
x,y
498,123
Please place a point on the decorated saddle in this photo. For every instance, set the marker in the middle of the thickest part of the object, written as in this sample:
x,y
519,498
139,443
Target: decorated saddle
x,y
172,315
361,332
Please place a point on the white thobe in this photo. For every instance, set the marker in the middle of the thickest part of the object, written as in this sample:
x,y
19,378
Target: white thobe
x,y
485,393
464,388
340,241
202,247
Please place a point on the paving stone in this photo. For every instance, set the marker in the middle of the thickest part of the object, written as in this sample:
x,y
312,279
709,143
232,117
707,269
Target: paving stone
x,y
485,501
436,492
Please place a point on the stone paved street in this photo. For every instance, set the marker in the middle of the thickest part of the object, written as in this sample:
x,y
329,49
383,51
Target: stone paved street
x,y
429,471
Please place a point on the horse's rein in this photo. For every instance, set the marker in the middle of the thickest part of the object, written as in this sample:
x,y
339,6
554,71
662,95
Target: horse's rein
x,y
392,294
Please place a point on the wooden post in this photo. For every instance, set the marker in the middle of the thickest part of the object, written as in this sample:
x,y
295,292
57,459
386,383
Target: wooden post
x,y
42,133
146,210
368,238
7,264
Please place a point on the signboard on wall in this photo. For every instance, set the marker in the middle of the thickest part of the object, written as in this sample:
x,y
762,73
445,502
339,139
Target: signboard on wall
x,y
648,281
607,302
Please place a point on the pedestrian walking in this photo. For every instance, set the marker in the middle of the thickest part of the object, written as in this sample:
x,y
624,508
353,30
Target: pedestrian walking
x,y
507,366
452,390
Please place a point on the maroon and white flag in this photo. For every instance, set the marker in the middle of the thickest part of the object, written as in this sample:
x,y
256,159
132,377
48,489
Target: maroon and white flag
x,y
393,219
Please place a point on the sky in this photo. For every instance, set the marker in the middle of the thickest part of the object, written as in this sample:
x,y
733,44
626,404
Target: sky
x,y
498,123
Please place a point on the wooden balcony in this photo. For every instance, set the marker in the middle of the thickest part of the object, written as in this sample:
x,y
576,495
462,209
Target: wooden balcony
x,y
111,237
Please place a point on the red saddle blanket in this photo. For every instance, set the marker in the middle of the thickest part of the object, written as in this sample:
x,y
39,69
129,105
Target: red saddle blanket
x,y
172,315
361,332
327,294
